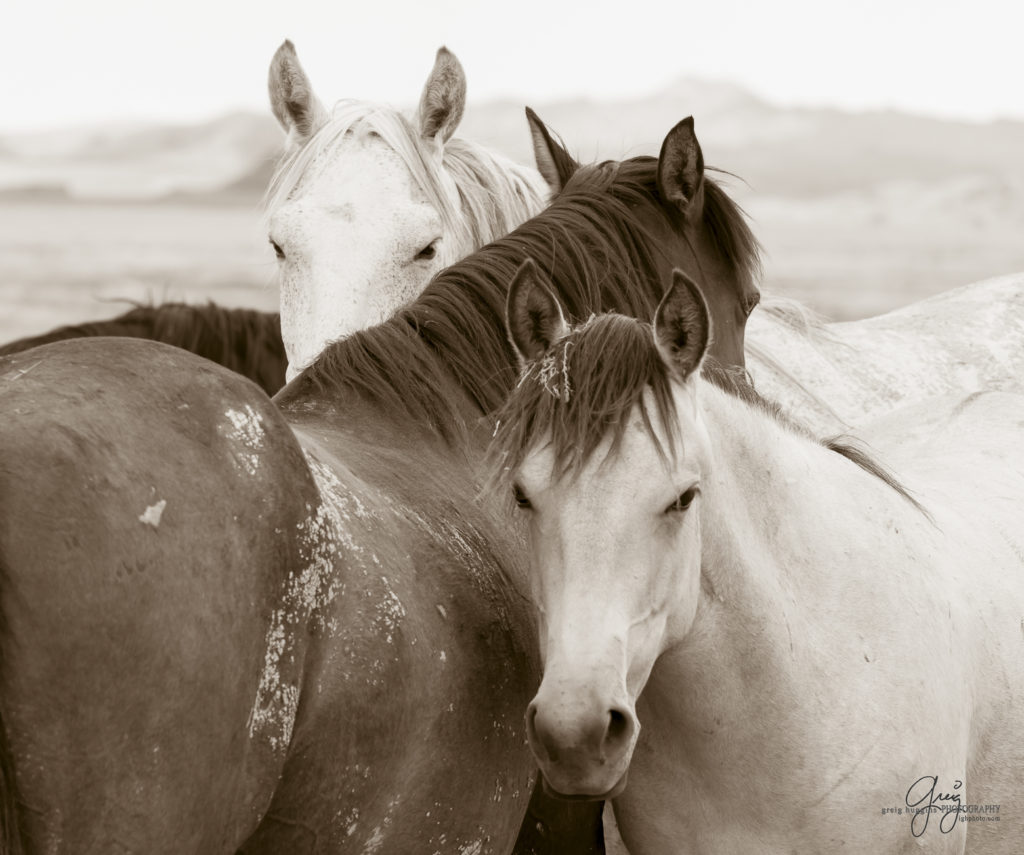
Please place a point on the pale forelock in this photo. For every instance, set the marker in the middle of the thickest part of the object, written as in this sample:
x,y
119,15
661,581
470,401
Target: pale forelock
x,y
480,196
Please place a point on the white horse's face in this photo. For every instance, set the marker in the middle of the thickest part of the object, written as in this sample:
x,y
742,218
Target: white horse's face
x,y
615,556
356,237
353,246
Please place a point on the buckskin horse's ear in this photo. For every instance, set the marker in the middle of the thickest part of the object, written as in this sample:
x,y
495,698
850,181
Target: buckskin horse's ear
x,y
681,170
554,163
533,315
291,97
682,326
443,99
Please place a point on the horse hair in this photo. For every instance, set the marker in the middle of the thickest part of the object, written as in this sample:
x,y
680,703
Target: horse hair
x,y
608,364
599,258
479,195
244,340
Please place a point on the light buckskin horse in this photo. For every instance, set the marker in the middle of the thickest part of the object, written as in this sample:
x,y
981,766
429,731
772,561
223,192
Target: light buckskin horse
x,y
805,644
233,626
368,204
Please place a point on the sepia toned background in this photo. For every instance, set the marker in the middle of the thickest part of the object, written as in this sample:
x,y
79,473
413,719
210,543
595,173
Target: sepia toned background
x,y
880,150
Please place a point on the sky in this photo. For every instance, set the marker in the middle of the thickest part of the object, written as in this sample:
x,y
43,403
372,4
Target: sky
x,y
76,62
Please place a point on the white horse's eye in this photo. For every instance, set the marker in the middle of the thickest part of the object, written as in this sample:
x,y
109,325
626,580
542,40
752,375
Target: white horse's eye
x,y
683,501
428,252
277,249
521,500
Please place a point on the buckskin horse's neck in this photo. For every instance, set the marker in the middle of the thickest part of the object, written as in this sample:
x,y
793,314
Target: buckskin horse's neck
x,y
767,705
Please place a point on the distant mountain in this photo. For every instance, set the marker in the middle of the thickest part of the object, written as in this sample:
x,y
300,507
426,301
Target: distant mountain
x,y
133,161
788,151
36,193
248,189
777,150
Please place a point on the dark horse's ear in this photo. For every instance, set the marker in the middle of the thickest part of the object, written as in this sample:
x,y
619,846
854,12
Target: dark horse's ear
x,y
443,98
291,97
553,161
533,315
682,326
681,170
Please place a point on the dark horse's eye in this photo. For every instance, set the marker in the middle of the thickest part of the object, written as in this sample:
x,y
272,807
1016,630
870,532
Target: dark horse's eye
x,y
750,303
683,501
428,252
277,249
521,500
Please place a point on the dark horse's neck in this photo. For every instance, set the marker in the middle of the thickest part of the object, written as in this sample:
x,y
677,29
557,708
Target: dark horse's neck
x,y
445,361
403,405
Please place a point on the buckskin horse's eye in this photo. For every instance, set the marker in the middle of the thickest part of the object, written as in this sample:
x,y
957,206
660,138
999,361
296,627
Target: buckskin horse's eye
x,y
750,303
521,500
683,501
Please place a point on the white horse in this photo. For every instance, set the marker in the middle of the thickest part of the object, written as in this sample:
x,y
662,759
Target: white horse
x,y
838,375
825,663
367,204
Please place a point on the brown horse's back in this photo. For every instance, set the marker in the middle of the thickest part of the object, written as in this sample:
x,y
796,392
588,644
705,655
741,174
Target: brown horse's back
x,y
135,481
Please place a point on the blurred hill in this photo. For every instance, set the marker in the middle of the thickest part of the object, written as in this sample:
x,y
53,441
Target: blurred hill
x,y
858,212
777,151
137,162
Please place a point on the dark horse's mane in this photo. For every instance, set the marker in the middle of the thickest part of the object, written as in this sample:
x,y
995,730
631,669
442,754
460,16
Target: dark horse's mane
x,y
599,258
244,340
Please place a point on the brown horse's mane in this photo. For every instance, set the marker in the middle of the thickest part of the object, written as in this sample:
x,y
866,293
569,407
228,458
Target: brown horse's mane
x,y
599,257
244,340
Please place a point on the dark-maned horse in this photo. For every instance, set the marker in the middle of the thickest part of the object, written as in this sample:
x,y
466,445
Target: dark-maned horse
x,y
245,340
229,626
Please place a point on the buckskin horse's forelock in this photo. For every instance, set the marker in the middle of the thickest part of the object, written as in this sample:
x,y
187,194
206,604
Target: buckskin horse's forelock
x,y
609,364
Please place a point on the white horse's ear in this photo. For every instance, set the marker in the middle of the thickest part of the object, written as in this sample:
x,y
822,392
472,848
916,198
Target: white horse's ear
x,y
533,315
443,99
681,170
553,162
682,326
291,97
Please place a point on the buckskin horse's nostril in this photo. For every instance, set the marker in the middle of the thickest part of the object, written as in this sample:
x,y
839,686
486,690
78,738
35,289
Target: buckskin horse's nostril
x,y
620,728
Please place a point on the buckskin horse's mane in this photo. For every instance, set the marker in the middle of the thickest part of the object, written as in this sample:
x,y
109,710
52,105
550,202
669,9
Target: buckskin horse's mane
x,y
599,258
609,368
